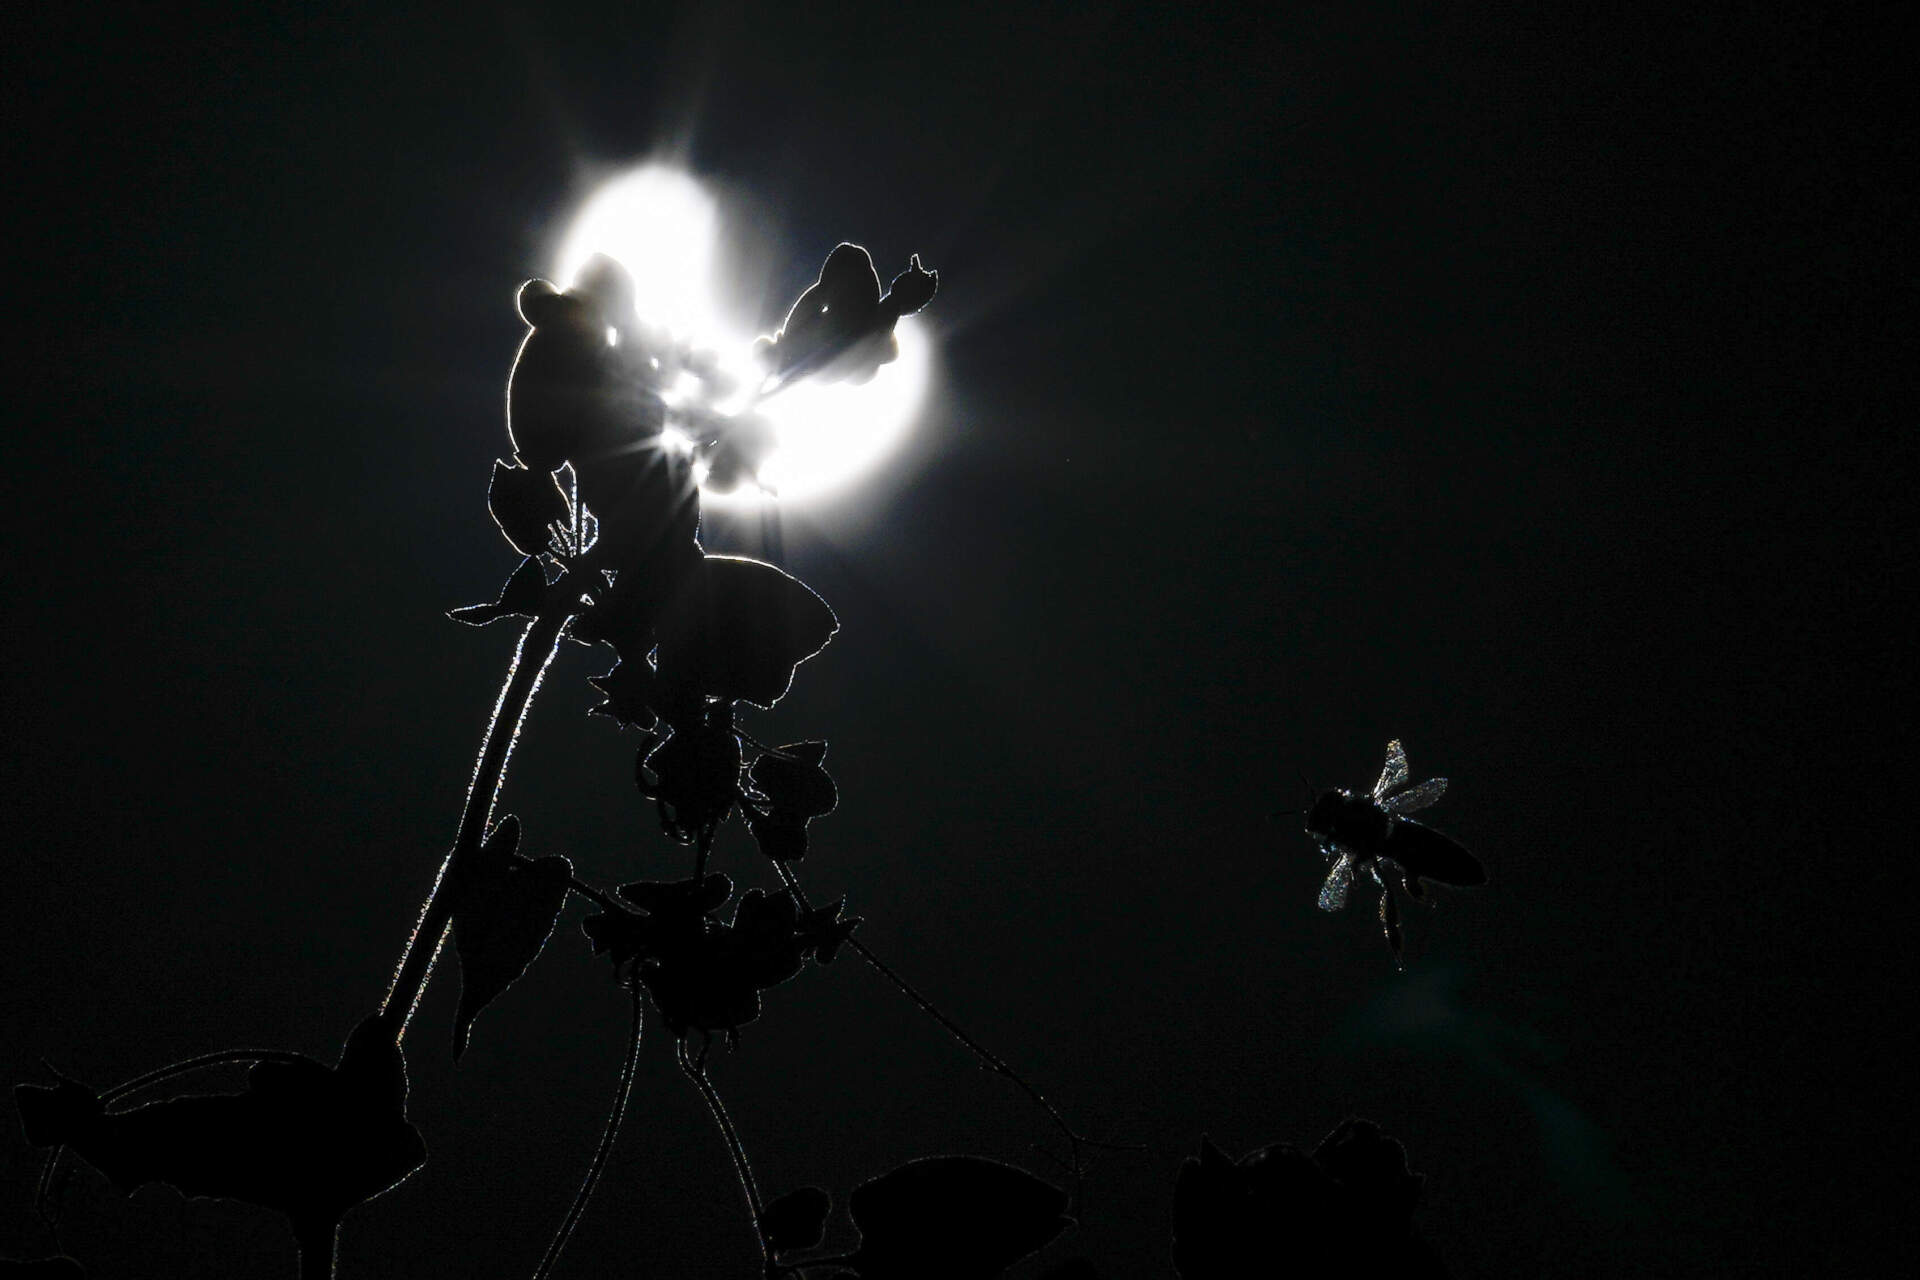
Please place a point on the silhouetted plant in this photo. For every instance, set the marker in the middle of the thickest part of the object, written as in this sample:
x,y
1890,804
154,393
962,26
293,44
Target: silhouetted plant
x,y
601,502
604,513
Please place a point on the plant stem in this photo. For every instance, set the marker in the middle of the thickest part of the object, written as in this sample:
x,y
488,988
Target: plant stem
x,y
741,1169
537,647
986,1056
230,1057
621,1093
319,1246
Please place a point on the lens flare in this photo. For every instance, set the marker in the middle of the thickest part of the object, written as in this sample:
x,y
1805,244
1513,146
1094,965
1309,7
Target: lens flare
x,y
664,227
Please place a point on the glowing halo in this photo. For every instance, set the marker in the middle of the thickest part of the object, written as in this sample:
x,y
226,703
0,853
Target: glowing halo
x,y
664,227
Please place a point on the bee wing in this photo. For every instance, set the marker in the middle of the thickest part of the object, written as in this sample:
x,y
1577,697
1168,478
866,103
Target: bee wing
x,y
1393,775
1428,854
1414,799
1333,894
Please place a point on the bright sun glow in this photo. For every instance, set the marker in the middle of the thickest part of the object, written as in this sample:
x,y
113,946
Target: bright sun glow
x,y
664,228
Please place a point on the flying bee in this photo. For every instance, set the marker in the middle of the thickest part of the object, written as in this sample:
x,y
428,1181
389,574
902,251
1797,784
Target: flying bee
x,y
1372,833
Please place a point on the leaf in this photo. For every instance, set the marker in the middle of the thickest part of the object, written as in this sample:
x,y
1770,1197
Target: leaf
x,y
522,596
823,930
675,916
1371,1166
791,789
622,936
629,689
523,501
837,310
796,1220
700,986
763,946
738,628
60,1268
693,778
504,908
952,1218
302,1138
678,898
779,839
792,780
1345,1209
1072,1269
1225,1213
700,972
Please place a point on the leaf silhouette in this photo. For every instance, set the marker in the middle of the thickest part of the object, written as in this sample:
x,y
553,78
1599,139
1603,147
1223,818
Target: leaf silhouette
x,y
61,1268
796,1220
504,907
1072,1269
700,972
790,789
522,596
823,930
523,501
678,899
1346,1208
738,628
630,690
841,328
305,1139
672,917
952,1218
693,777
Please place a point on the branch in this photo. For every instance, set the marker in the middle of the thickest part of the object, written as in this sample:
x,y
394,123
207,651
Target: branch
x,y
600,1154
537,647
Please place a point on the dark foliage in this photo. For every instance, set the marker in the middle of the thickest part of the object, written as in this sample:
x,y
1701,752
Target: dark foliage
x,y
1346,1208
704,973
61,1268
737,630
605,519
952,1218
788,790
305,1139
504,907
691,771
841,328
796,1220
1072,1269
526,503
521,597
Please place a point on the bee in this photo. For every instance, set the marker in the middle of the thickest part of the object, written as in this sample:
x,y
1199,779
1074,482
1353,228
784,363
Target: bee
x,y
1372,833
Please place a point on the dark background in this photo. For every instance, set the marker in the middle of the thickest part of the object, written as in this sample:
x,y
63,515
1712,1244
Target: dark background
x,y
1528,388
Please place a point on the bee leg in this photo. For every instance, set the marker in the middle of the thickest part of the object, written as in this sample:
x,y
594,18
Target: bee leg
x,y
1390,923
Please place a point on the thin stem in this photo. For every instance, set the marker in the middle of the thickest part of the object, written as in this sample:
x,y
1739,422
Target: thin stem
x,y
227,1058
319,1246
601,1152
42,1195
741,1170
591,894
537,647
986,1056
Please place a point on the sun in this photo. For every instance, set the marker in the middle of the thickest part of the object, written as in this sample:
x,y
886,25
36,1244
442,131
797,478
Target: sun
x,y
665,228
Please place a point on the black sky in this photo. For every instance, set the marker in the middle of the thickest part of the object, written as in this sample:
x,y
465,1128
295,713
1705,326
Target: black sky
x,y
1530,389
